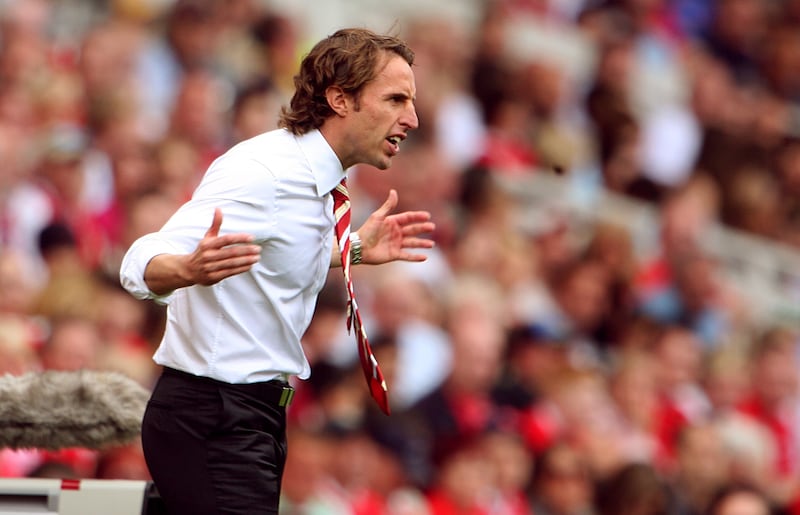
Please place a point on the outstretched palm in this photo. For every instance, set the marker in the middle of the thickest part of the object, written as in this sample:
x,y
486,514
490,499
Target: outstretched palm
x,y
388,237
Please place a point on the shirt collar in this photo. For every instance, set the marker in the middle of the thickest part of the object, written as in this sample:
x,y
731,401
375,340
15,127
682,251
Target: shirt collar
x,y
325,164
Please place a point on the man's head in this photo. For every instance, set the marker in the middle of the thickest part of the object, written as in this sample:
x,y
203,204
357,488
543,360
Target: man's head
x,y
358,88
349,59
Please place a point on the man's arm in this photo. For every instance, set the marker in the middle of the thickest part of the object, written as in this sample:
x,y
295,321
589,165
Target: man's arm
x,y
214,259
336,255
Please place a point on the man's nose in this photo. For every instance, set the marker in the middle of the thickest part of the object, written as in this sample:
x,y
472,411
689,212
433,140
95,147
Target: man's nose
x,y
409,119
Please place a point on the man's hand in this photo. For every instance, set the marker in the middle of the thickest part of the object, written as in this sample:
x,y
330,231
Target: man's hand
x,y
386,237
218,257
215,258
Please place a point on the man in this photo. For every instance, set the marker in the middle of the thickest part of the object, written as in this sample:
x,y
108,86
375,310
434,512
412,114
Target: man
x,y
240,299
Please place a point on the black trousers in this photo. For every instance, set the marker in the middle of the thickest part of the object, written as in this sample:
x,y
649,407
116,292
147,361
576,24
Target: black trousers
x,y
215,448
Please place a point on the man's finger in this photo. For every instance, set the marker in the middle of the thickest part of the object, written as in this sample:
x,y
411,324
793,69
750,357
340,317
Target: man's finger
x,y
405,256
389,204
216,223
418,243
410,217
420,228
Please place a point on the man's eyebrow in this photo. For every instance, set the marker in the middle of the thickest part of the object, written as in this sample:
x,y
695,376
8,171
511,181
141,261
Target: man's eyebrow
x,y
401,94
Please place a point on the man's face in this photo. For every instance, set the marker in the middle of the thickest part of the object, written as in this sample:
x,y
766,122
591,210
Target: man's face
x,y
381,116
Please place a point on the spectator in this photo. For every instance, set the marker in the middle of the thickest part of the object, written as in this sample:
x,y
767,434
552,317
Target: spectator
x,y
17,354
513,464
533,359
739,499
467,482
279,39
198,114
736,33
636,489
406,310
460,409
772,402
634,389
562,483
73,344
678,353
255,109
702,467
307,480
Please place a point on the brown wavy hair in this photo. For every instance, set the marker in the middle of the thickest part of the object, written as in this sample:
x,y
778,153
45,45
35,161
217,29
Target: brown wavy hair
x,y
349,59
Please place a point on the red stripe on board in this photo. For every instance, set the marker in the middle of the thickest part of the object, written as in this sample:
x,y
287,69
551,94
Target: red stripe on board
x,y
70,484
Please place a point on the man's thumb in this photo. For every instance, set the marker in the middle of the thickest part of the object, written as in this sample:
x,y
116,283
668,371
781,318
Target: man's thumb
x,y
390,203
216,223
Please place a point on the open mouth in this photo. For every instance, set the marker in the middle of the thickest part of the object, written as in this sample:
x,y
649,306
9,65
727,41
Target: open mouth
x,y
394,141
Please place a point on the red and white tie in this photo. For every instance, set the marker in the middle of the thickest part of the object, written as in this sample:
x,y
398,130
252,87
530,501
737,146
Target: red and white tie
x,y
372,372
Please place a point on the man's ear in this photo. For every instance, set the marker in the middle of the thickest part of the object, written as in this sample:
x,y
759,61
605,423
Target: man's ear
x,y
338,100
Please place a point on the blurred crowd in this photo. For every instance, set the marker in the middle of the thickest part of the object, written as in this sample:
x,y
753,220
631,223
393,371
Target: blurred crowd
x,y
531,371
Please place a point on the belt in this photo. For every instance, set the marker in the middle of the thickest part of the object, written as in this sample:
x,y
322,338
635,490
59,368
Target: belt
x,y
274,391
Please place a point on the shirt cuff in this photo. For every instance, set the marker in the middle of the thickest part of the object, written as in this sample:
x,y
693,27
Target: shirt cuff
x,y
131,273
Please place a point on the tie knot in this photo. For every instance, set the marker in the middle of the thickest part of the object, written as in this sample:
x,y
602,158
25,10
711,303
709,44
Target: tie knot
x,y
340,192
341,199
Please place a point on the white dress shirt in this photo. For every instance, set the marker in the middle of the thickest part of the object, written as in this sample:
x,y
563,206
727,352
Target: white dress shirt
x,y
247,328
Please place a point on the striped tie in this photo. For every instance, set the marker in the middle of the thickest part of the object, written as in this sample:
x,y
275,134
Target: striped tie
x,y
372,372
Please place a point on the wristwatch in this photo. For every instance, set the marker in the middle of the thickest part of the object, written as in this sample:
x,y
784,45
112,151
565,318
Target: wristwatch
x,y
355,249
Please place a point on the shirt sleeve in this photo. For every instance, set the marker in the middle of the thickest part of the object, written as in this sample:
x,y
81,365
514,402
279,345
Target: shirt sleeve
x,y
131,274
243,190
180,235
